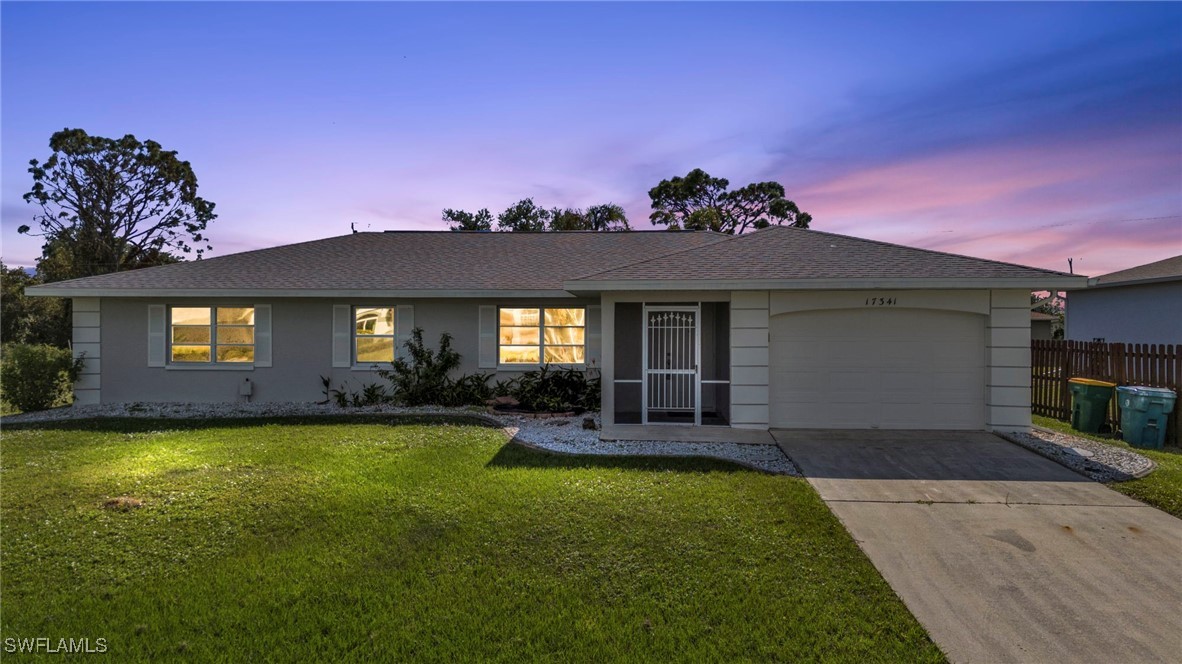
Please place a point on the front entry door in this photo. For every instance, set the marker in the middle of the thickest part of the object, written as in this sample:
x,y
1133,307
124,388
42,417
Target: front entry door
x,y
672,354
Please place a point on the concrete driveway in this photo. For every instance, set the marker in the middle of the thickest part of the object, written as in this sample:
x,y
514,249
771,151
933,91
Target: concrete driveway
x,y
1004,556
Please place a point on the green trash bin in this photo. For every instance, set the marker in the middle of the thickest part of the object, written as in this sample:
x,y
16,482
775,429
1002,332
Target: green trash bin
x,y
1144,413
1089,403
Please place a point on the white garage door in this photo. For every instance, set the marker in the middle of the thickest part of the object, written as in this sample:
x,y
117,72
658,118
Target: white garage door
x,y
877,368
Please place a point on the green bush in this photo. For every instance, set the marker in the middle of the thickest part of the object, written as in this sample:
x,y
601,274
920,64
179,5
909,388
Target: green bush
x,y
370,395
550,389
470,390
423,379
36,377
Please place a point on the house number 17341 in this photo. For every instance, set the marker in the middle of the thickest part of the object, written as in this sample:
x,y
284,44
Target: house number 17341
x,y
880,301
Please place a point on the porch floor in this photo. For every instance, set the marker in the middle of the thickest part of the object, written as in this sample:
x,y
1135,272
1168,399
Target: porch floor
x,y
685,432
671,417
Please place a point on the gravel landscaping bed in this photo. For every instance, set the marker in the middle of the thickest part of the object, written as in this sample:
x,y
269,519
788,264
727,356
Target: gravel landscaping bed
x,y
1099,461
562,435
191,411
569,437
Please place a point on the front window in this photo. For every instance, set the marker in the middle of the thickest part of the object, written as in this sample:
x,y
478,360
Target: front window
x,y
211,334
542,335
373,335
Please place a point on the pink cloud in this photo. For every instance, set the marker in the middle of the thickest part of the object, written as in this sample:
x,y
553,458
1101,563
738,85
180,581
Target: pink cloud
x,y
1099,201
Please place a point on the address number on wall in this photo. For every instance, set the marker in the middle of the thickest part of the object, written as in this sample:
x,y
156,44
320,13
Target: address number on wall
x,y
881,301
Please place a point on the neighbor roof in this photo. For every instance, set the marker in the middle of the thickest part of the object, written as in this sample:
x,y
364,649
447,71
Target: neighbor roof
x,y
1169,269
474,264
788,257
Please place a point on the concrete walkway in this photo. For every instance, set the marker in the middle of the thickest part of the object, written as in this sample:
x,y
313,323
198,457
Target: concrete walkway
x,y
1004,556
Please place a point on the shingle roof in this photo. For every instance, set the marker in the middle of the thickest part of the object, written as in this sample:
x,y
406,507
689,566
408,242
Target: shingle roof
x,y
1163,270
783,253
441,263
411,260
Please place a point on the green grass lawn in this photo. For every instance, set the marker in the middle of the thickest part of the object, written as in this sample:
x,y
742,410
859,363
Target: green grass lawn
x,y
396,539
1162,488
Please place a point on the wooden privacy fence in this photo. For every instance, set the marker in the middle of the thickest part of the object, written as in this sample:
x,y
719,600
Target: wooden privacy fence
x,y
1053,362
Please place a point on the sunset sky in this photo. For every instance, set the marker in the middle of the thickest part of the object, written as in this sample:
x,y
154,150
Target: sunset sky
x,y
1020,132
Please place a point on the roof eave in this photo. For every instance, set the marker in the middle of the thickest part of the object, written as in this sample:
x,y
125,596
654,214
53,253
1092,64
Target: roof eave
x,y
49,290
1025,283
1135,282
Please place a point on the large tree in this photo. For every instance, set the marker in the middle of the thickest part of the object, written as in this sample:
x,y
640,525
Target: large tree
x,y
606,217
701,202
527,216
25,319
111,204
459,220
524,216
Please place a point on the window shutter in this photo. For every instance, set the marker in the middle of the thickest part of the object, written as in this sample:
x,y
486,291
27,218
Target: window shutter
x,y
488,336
594,336
262,335
156,335
342,335
404,324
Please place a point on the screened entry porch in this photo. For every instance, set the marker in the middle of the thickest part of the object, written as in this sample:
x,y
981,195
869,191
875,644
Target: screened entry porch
x,y
672,363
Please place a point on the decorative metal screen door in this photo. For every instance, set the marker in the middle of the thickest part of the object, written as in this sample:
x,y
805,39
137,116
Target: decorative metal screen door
x,y
671,358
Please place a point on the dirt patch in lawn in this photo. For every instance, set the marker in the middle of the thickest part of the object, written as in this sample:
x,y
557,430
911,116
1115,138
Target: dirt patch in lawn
x,y
122,504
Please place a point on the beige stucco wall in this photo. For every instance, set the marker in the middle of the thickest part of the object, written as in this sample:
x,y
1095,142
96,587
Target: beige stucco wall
x,y
749,359
1008,361
1005,314
86,342
114,335
301,340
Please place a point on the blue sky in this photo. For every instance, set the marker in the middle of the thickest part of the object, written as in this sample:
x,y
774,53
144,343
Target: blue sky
x,y
1024,132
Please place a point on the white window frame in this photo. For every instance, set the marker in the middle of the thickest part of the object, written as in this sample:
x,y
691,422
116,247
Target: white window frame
x,y
518,366
366,366
213,362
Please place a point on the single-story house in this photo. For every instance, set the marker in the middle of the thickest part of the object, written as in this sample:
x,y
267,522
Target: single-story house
x,y
1042,326
1140,305
697,335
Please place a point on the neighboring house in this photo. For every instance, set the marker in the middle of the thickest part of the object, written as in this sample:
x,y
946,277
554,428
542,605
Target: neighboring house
x,y
1139,305
698,336
1041,326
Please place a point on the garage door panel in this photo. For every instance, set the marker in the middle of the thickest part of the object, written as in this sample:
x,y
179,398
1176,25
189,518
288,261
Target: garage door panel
x,y
960,381
902,398
921,416
841,381
847,402
854,418
957,393
826,352
798,381
877,368
901,415
908,348
797,356
904,381
952,416
954,352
